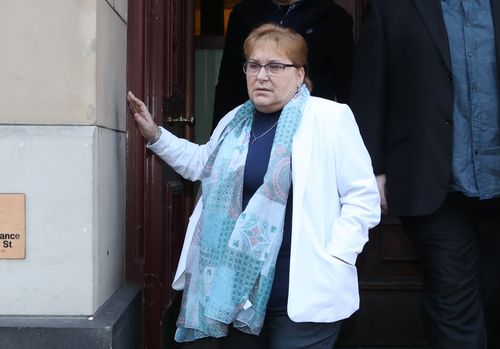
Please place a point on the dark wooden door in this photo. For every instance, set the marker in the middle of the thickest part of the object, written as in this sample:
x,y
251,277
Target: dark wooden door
x,y
159,71
390,313
160,67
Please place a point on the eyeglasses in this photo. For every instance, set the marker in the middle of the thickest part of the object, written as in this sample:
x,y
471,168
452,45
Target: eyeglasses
x,y
273,68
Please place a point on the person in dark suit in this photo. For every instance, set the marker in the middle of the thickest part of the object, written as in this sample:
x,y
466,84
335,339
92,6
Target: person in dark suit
x,y
327,28
425,93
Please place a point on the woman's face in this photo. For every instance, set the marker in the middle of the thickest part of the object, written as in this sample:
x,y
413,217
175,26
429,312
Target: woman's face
x,y
270,92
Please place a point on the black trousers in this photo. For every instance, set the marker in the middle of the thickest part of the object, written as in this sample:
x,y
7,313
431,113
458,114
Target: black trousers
x,y
279,332
459,246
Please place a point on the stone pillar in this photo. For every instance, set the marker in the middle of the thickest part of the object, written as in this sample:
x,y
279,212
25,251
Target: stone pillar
x,y
62,144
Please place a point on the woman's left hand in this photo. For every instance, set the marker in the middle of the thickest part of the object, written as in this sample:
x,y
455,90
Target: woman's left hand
x,y
143,118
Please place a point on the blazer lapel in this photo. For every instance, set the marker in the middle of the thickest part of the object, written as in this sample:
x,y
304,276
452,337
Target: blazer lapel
x,y
432,15
301,159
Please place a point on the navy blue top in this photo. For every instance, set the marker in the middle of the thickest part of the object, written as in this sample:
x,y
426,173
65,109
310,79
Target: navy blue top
x,y
476,111
256,165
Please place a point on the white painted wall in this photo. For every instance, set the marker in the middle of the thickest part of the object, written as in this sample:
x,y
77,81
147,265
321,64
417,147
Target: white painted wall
x,y
51,165
62,142
111,44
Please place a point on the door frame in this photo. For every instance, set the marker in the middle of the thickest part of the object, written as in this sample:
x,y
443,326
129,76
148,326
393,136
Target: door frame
x,y
145,221
150,33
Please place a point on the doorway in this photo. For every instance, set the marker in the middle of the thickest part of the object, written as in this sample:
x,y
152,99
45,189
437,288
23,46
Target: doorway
x,y
163,40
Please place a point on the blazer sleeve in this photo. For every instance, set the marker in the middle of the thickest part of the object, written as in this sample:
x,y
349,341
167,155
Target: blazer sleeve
x,y
187,158
368,92
357,189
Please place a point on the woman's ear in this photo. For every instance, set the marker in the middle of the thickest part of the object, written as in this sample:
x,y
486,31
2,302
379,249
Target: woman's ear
x,y
300,76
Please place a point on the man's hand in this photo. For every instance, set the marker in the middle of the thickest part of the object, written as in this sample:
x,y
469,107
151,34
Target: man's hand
x,y
381,183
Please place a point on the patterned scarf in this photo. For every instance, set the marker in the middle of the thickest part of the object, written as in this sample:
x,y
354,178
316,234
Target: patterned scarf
x,y
230,265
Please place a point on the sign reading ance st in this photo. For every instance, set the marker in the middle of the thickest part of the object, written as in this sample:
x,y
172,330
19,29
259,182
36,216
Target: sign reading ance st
x,y
12,226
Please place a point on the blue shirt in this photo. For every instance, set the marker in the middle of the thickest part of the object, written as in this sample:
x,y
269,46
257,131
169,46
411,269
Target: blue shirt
x,y
476,137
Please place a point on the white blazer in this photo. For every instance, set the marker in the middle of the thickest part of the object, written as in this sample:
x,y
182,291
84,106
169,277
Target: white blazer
x,y
335,202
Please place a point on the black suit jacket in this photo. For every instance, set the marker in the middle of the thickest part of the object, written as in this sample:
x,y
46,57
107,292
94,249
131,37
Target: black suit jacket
x,y
327,29
402,97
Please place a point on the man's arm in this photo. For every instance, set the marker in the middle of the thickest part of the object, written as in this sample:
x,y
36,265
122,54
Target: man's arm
x,y
368,92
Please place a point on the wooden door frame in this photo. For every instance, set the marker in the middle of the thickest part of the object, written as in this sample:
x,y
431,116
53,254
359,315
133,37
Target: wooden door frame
x,y
135,154
143,170
148,77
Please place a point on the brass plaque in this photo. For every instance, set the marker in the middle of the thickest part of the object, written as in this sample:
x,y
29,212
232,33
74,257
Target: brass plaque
x,y
12,226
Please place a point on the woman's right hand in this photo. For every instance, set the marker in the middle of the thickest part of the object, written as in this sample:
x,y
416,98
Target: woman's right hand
x,y
143,118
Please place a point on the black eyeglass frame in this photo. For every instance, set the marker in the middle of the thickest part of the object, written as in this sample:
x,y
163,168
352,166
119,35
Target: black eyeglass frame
x,y
282,67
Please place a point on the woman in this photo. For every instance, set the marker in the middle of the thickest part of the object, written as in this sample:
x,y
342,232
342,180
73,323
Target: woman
x,y
265,265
